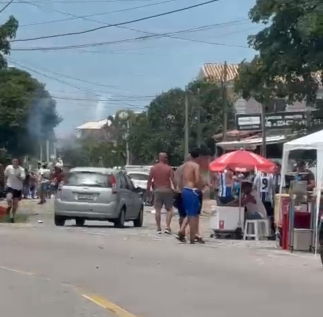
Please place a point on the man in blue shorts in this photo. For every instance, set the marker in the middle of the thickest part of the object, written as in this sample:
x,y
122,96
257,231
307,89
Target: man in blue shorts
x,y
191,196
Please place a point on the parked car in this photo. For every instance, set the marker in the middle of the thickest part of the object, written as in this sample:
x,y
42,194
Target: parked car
x,y
91,193
140,180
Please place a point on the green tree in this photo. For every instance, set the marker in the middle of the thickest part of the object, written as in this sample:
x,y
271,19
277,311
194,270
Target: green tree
x,y
92,152
161,127
290,60
28,113
8,32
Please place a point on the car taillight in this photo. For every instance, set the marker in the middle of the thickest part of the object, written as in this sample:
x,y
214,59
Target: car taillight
x,y
113,184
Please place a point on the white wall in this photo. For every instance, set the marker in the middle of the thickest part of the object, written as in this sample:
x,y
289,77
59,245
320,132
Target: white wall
x,y
252,106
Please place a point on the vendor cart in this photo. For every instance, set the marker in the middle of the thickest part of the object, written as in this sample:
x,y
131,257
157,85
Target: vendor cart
x,y
227,222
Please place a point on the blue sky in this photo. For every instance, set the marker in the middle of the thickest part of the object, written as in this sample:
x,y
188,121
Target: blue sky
x,y
129,74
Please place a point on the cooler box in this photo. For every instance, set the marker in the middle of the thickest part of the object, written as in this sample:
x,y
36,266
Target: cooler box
x,y
227,218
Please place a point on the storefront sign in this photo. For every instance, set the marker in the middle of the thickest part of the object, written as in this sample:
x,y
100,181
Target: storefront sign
x,y
279,120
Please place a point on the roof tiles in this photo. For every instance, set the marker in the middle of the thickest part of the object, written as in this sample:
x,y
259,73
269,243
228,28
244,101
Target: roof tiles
x,y
216,71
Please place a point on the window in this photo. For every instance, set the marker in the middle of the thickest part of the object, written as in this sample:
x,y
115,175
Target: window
x,y
88,179
130,185
138,176
122,181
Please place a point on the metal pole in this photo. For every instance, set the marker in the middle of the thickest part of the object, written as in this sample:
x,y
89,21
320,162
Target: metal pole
x,y
47,151
224,100
127,143
186,133
263,130
199,131
40,151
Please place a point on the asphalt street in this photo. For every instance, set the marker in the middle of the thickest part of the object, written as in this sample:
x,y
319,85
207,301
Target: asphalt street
x,y
94,270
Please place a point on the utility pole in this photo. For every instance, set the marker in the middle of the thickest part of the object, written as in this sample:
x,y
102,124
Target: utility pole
x,y
199,128
47,151
186,133
225,101
40,151
263,130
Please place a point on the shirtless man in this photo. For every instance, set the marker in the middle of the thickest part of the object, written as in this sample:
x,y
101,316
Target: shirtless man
x,y
191,198
178,203
183,219
162,175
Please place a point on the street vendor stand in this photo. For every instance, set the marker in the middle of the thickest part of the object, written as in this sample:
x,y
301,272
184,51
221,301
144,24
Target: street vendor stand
x,y
312,141
228,220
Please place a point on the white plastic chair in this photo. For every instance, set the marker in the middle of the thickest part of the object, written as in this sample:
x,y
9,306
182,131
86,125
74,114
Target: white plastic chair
x,y
257,229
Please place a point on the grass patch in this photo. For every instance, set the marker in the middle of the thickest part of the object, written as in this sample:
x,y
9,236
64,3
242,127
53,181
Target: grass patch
x,y
19,218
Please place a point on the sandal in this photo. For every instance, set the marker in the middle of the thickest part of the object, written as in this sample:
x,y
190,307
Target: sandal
x,y
199,239
180,237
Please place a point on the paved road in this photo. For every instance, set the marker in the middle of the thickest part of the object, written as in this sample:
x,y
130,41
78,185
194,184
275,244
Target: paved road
x,y
148,275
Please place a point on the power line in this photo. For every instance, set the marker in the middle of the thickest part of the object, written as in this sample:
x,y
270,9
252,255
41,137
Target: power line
x,y
66,76
83,1
152,35
6,6
90,99
74,17
117,24
121,51
54,78
140,38
82,89
68,47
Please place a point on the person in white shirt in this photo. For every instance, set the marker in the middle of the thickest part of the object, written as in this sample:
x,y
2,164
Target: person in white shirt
x,y
44,181
14,175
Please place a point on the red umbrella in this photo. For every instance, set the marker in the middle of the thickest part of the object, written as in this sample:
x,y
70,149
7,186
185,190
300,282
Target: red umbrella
x,y
241,161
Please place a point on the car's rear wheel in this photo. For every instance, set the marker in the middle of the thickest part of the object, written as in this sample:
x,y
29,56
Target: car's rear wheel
x,y
59,221
140,219
79,222
119,222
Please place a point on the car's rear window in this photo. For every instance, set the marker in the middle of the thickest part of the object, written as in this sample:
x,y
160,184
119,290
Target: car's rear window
x,y
89,179
138,176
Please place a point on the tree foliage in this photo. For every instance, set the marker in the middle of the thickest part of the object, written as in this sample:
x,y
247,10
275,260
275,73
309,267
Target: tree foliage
x,y
289,63
161,127
28,112
92,152
291,45
8,32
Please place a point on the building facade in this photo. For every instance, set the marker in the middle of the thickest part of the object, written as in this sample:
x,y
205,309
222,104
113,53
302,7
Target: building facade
x,y
215,72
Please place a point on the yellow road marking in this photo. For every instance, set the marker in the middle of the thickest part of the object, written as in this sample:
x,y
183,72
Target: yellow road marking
x,y
96,299
106,304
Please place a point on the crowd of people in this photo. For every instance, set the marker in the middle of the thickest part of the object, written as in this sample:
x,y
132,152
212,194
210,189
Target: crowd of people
x,y
21,183
184,189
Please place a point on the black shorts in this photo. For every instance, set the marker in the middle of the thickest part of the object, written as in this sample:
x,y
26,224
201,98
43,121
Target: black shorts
x,y
178,203
269,208
15,193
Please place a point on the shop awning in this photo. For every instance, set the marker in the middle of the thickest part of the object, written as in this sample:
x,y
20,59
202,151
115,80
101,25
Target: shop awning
x,y
251,143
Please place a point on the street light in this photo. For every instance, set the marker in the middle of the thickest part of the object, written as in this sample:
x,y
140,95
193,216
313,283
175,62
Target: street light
x,y
124,117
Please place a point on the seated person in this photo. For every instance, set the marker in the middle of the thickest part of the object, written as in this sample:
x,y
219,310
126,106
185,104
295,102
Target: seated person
x,y
250,199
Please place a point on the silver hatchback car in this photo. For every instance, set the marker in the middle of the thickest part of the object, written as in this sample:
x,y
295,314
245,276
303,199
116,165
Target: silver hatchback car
x,y
91,193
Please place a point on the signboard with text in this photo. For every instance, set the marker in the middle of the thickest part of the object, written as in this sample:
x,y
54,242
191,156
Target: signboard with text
x,y
278,120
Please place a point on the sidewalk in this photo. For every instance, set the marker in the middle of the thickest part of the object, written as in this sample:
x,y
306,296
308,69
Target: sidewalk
x,y
31,207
